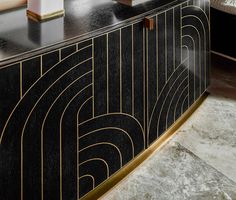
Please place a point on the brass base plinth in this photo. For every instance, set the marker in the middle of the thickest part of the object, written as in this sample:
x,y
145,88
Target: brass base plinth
x,y
38,18
122,173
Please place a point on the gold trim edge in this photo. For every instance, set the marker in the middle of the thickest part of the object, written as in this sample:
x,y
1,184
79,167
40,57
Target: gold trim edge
x,y
36,17
128,168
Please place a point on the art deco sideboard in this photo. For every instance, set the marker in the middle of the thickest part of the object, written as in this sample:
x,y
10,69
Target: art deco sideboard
x,y
73,114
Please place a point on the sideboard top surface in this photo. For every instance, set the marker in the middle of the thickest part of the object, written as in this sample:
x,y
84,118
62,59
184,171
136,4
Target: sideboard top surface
x,y
21,37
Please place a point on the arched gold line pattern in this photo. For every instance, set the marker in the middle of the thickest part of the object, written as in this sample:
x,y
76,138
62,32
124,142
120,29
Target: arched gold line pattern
x,y
78,137
100,159
88,175
172,101
112,128
22,133
199,50
40,96
45,118
182,107
61,132
115,113
179,99
77,161
188,79
194,60
158,121
205,45
162,91
105,143
193,6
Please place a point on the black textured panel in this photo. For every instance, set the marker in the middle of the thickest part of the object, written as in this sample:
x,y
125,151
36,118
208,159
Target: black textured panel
x,y
126,64
9,151
49,60
100,75
161,42
114,71
177,36
170,42
152,67
138,71
30,73
84,44
67,51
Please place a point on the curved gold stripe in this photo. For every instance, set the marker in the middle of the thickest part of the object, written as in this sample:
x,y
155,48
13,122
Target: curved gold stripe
x,y
77,143
205,43
167,115
45,118
163,103
182,107
199,51
61,133
179,100
194,61
106,143
162,92
88,175
95,159
112,128
22,133
192,6
116,113
39,97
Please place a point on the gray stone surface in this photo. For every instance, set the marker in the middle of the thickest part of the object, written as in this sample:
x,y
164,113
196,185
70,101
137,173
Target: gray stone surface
x,y
174,173
210,133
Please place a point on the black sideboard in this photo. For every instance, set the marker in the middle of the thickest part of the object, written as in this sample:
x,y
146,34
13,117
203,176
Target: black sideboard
x,y
74,115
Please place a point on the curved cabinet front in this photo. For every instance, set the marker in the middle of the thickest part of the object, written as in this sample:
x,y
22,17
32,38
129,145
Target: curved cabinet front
x,y
71,118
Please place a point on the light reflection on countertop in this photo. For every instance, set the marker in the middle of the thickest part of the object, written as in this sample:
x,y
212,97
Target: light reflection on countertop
x,y
20,36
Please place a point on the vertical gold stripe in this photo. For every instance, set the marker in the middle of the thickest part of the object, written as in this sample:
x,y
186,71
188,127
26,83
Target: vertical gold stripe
x,y
132,69
21,81
93,76
59,55
144,88
121,103
157,51
42,166
147,88
166,48
107,75
41,65
174,46
60,163
181,42
21,168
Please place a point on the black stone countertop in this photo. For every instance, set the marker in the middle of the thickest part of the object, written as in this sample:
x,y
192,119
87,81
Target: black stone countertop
x,y
21,37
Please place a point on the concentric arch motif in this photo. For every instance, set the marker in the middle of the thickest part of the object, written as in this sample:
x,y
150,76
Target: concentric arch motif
x,y
181,72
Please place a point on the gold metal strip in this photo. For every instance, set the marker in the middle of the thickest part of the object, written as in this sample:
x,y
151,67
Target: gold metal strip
x,y
118,176
36,17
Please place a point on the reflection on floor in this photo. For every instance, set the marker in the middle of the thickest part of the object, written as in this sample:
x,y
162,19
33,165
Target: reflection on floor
x,y
199,162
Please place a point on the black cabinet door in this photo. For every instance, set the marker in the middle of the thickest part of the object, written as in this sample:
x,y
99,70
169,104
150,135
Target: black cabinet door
x,y
39,107
115,132
177,52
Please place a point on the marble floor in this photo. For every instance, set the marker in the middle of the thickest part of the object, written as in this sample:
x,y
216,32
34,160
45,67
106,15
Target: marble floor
x,y
199,161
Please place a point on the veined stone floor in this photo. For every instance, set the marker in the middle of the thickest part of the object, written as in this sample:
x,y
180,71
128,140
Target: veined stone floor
x,y
199,162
